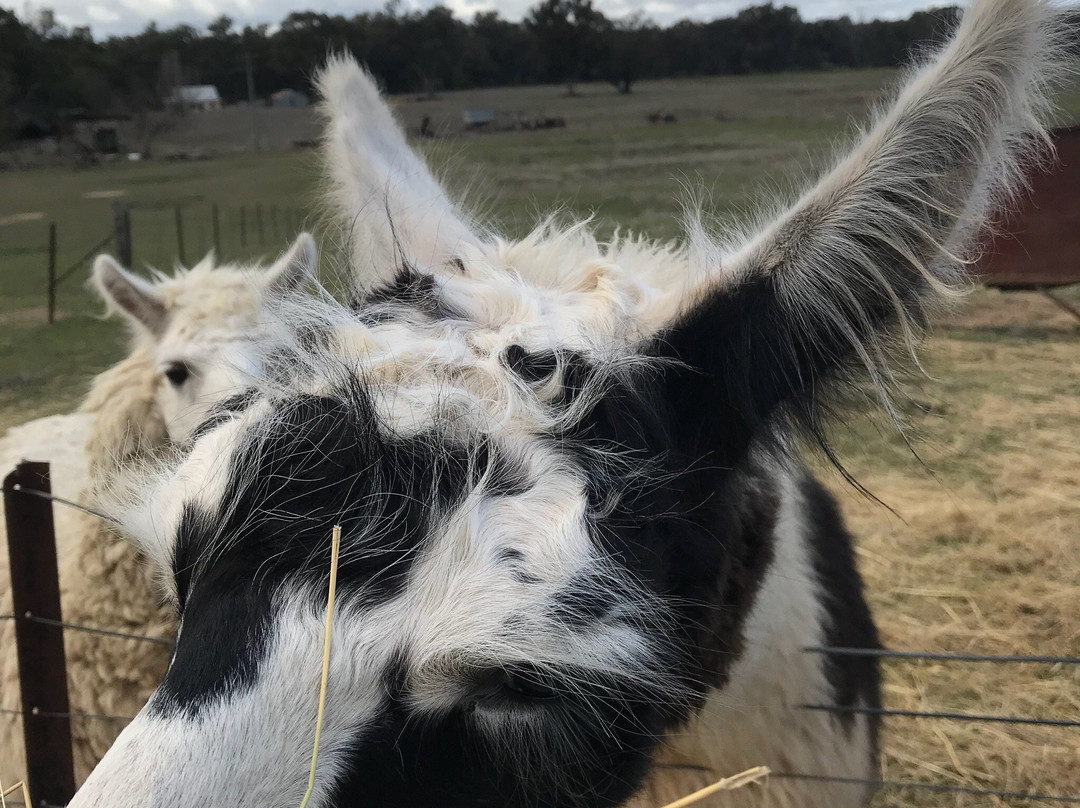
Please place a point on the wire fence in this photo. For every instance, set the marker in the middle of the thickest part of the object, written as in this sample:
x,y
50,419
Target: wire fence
x,y
50,255
883,654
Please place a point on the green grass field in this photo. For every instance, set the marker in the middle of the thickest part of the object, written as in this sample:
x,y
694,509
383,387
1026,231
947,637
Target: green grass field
x,y
982,552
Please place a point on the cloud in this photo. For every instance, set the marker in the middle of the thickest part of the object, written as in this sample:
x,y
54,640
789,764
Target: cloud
x,y
102,14
130,16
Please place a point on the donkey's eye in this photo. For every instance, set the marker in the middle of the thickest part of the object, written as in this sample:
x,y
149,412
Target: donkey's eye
x,y
177,373
527,683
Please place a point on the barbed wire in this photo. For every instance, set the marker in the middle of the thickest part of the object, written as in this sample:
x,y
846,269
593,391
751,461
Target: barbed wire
x,y
36,713
34,492
100,631
936,656
104,632
949,716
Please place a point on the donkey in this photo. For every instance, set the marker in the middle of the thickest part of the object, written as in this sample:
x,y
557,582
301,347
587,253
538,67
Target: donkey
x,y
580,551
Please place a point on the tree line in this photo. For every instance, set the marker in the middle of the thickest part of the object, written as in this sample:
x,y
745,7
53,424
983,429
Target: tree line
x,y
48,71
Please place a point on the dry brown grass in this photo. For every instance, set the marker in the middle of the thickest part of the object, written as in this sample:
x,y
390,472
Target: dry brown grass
x,y
983,553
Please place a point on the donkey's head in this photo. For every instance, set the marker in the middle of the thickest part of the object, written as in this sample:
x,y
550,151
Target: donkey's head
x,y
553,463
200,326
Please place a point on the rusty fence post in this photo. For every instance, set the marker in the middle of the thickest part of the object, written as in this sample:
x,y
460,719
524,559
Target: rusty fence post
x,y
35,591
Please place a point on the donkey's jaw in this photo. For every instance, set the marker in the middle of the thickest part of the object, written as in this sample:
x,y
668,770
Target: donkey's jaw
x,y
249,746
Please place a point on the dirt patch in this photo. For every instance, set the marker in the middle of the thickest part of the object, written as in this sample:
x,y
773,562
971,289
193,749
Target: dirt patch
x,y
21,218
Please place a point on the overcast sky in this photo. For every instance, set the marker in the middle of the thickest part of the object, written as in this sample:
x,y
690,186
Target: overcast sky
x,y
129,16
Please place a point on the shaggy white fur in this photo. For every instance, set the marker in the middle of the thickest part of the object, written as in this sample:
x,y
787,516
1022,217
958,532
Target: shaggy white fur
x,y
131,413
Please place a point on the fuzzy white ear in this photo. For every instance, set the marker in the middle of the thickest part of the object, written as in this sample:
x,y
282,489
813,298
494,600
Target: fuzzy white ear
x,y
295,267
129,294
385,193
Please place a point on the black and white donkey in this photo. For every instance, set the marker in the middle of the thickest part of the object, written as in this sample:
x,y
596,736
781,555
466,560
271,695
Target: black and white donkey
x,y
581,559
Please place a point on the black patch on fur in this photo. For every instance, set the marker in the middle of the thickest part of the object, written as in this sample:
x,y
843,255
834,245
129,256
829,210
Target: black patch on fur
x,y
452,760
319,461
224,411
855,681
230,619
683,519
538,367
505,477
411,293
747,362
532,367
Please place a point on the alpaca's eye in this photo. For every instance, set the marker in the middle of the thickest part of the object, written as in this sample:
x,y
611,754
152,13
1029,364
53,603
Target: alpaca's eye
x,y
524,683
177,373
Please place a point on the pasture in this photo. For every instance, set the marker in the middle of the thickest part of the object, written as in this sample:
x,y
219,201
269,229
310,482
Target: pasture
x,y
979,552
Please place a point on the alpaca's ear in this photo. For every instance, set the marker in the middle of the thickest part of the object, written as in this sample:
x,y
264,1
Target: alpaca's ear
x,y
394,208
296,267
853,268
129,294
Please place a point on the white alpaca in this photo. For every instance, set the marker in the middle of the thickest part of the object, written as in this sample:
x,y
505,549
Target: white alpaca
x,y
581,560
190,350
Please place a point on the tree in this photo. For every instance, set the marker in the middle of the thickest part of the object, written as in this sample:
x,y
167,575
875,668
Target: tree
x,y
630,47
570,37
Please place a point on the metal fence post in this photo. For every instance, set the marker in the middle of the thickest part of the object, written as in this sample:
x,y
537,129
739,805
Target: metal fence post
x,y
122,232
52,272
35,591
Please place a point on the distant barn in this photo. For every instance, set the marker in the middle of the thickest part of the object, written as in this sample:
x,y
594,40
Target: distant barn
x,y
1041,245
288,98
196,98
478,118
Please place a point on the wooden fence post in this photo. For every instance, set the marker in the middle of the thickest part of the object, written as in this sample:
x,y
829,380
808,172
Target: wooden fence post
x,y
122,232
35,592
215,222
180,236
52,272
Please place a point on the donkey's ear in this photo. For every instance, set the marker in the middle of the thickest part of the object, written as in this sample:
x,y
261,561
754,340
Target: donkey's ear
x,y
295,267
129,294
395,209
853,268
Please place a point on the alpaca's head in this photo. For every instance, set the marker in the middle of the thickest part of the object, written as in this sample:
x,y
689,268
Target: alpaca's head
x,y
555,463
200,330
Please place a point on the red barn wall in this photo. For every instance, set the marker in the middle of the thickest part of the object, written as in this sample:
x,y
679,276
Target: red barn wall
x,y
1040,244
